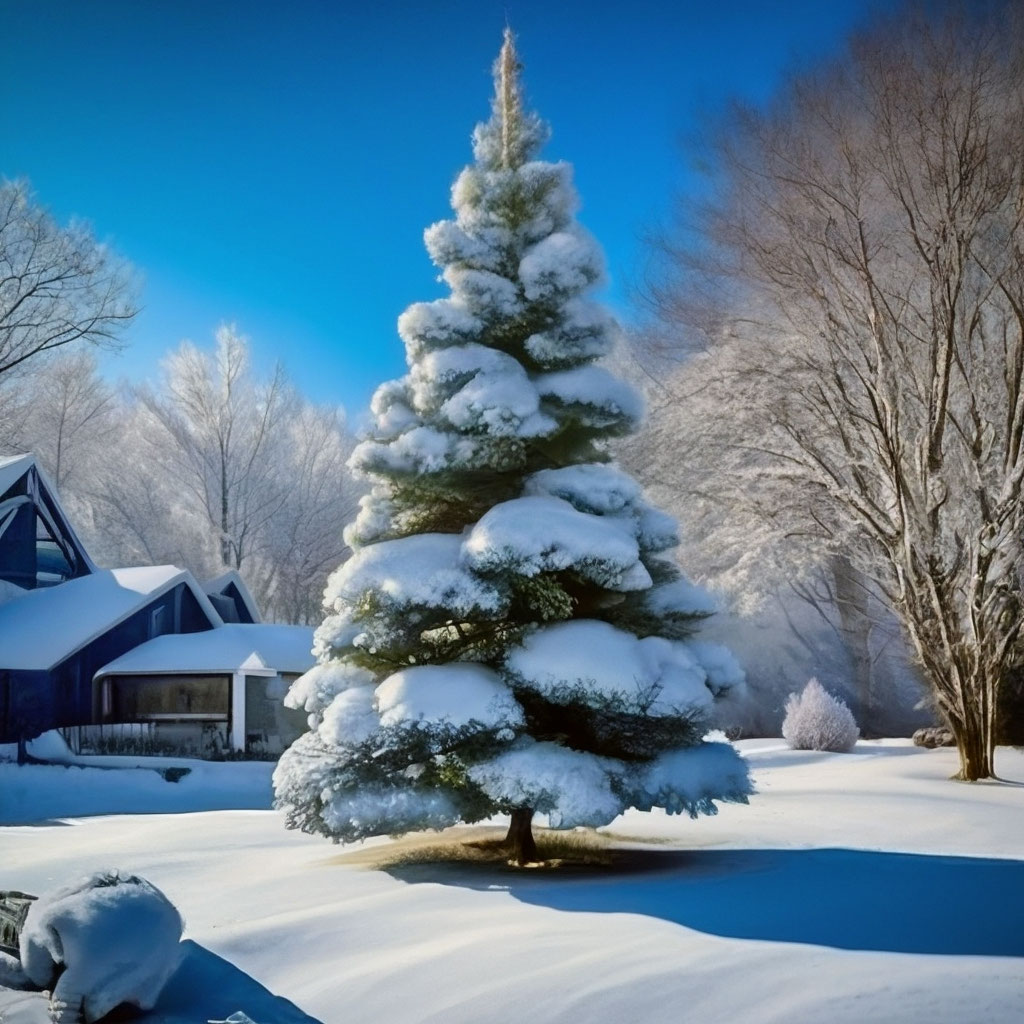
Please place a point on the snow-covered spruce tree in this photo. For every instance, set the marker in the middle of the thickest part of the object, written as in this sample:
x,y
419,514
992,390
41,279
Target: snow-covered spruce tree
x,y
509,635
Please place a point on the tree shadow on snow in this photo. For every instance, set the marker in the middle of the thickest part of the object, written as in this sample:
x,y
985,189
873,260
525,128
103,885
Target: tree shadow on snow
x,y
207,987
847,899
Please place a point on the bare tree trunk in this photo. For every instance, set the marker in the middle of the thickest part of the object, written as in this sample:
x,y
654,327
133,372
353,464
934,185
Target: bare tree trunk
x,y
855,619
225,543
974,747
519,840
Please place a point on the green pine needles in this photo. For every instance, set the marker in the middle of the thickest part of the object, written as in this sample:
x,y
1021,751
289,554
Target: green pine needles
x,y
510,634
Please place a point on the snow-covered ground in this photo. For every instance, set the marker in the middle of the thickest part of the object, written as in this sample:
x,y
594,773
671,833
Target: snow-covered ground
x,y
862,887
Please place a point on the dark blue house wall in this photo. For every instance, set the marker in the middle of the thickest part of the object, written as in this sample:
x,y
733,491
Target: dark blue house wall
x,y
32,702
26,703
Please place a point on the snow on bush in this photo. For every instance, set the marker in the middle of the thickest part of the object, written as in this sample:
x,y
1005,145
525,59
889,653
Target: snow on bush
x,y
564,262
106,940
569,786
382,810
603,400
724,671
815,720
594,662
457,694
479,389
689,780
543,534
427,325
351,718
681,597
422,570
586,332
314,691
593,487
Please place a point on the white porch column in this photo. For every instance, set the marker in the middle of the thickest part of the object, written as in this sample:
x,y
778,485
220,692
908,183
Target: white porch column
x,y
238,711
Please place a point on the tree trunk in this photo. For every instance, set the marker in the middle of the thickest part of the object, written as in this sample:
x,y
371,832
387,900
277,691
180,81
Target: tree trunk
x,y
855,620
974,747
522,848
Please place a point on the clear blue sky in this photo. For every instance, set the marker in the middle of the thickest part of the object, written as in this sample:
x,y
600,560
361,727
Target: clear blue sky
x,y
275,164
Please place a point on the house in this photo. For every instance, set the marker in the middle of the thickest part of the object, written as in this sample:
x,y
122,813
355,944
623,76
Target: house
x,y
144,651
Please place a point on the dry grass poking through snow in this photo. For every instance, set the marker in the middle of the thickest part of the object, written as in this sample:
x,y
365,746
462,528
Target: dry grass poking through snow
x,y
578,849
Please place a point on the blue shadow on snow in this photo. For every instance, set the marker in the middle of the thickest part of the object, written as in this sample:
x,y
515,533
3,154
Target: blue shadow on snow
x,y
208,987
847,899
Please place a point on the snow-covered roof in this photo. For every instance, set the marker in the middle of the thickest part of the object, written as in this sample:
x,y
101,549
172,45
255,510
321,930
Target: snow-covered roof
x,y
43,627
255,647
12,468
232,576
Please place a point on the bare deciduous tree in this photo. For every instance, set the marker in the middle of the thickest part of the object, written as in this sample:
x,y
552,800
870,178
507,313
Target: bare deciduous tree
x,y
58,285
218,433
69,415
860,291
217,469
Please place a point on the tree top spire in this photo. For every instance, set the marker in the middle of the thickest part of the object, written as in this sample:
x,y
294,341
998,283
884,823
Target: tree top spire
x,y
513,135
508,94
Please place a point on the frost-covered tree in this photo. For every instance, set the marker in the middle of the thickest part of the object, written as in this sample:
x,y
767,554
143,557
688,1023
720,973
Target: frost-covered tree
x,y
62,411
217,468
510,635
860,286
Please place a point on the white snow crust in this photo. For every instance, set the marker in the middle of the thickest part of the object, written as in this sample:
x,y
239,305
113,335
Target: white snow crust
x,y
391,409
351,718
724,671
605,398
314,690
606,490
564,263
457,694
423,449
586,332
428,325
681,597
335,633
544,534
657,675
688,780
571,787
424,569
594,487
369,946
226,648
85,607
497,397
486,294
388,810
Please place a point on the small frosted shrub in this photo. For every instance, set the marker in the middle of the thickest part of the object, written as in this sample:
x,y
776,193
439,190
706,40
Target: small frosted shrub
x,y
815,720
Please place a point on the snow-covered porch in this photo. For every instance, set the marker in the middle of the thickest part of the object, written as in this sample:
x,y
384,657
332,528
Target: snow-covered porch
x,y
208,693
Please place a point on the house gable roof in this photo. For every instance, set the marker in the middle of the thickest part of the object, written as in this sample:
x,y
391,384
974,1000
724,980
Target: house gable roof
x,y
42,627
38,489
261,648
232,580
12,469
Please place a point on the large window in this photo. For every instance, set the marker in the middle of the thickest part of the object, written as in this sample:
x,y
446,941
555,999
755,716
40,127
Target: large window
x,y
163,698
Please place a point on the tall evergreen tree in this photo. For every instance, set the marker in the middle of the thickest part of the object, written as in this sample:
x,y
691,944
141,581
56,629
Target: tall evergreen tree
x,y
509,635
